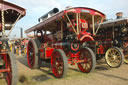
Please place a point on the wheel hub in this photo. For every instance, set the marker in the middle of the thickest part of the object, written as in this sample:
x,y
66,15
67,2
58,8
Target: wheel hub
x,y
75,45
114,57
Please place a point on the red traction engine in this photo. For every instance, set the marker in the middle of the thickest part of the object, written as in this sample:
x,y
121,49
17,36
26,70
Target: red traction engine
x,y
112,41
9,15
60,38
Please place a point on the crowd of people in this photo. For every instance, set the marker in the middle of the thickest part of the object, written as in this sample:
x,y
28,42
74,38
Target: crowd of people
x,y
18,46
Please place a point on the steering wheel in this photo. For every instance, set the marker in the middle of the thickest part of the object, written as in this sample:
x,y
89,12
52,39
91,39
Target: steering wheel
x,y
40,37
39,32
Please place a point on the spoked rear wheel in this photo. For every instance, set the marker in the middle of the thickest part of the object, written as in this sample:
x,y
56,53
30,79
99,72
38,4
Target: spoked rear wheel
x,y
59,63
114,57
10,64
32,54
89,60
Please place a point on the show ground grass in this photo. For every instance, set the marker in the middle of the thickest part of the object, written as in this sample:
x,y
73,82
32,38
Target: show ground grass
x,y
102,75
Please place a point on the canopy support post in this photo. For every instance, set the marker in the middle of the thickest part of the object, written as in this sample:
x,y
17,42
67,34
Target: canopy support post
x,y
71,24
3,23
99,25
93,25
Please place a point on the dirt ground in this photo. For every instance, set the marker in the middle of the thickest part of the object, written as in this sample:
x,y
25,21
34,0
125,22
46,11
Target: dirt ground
x,y
102,75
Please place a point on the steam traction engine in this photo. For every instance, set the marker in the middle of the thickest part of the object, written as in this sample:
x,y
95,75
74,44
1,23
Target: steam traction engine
x,y
112,41
9,15
61,39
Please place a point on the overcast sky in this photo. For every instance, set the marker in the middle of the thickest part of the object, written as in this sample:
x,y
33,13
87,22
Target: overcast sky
x,y
36,8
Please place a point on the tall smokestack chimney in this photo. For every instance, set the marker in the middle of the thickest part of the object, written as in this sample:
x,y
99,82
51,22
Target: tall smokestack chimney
x,y
119,15
21,31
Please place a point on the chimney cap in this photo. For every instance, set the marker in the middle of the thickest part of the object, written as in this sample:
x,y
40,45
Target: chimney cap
x,y
119,13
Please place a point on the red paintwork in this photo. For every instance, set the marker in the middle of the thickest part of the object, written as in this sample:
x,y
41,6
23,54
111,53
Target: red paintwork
x,y
86,37
89,10
49,52
75,55
100,50
73,58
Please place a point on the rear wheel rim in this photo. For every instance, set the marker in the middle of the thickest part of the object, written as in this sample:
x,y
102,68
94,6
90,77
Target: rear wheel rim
x,y
31,54
85,55
113,57
57,64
